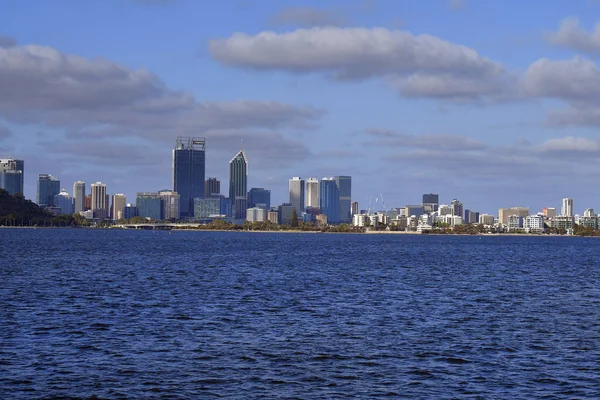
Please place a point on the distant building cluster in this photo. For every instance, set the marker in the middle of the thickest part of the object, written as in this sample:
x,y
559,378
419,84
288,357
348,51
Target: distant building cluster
x,y
321,201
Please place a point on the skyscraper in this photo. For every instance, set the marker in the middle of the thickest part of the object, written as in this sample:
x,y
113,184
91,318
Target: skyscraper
x,y
567,207
297,194
238,185
149,206
11,175
47,187
344,185
212,186
171,202
312,192
431,202
79,196
188,172
64,201
329,200
259,197
119,202
99,204
457,208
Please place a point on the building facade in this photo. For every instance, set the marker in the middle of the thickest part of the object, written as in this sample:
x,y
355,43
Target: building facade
x,y
285,211
99,200
329,200
189,159
12,175
207,208
431,202
344,185
47,187
256,214
64,202
149,206
312,193
259,197
238,185
297,194
171,201
79,196
504,213
212,187
567,207
119,202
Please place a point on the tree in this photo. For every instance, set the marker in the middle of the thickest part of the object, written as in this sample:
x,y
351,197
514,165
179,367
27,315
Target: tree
x,y
294,223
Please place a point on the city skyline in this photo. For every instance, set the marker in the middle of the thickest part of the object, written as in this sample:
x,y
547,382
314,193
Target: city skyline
x,y
452,97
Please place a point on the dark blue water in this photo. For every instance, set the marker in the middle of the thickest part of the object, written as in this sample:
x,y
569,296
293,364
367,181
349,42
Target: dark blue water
x,y
125,314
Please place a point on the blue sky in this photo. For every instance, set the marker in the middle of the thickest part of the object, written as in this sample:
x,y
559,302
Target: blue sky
x,y
490,102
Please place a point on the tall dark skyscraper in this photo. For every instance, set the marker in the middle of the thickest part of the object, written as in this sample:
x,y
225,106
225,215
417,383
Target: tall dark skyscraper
x,y
344,185
212,186
238,185
47,187
431,202
188,172
329,200
11,175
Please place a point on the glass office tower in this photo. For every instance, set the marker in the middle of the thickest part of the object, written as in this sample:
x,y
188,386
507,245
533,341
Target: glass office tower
x,y
259,197
238,185
11,175
189,172
47,187
329,200
344,185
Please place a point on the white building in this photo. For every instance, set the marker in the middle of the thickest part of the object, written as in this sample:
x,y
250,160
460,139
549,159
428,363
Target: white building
x,y
567,207
312,192
486,219
359,219
256,214
79,196
534,224
445,209
515,223
99,200
589,213
450,219
297,194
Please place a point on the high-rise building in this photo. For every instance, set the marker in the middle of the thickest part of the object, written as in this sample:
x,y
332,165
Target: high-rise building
x,y
431,202
285,213
457,208
149,206
119,202
189,157
130,211
87,202
207,208
79,196
567,207
344,185
238,185
329,200
11,175
212,187
354,208
171,202
549,212
471,217
297,194
99,203
64,202
312,193
259,197
47,187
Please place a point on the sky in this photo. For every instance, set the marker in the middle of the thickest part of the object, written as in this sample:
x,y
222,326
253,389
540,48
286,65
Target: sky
x,y
495,103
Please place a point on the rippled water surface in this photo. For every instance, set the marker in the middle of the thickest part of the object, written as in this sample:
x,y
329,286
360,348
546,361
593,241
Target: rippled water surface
x,y
186,315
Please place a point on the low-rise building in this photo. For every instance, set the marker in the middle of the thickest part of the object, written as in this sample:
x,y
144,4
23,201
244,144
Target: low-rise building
x,y
562,222
486,219
534,223
256,214
514,223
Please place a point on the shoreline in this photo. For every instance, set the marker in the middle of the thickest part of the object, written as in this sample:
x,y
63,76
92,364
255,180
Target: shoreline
x,y
301,231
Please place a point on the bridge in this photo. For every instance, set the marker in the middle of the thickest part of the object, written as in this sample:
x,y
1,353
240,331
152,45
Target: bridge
x,y
158,226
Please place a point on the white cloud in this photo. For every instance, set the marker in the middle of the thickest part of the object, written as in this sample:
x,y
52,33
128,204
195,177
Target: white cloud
x,y
422,65
572,35
570,144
